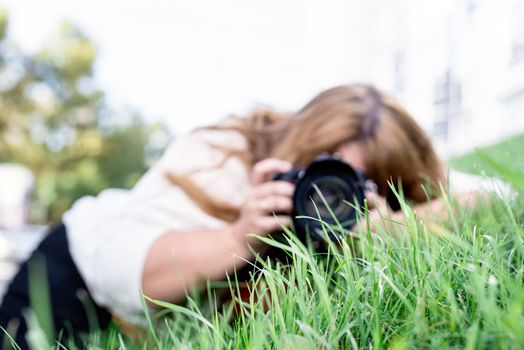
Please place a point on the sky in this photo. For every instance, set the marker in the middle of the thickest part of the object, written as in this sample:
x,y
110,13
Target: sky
x,y
190,63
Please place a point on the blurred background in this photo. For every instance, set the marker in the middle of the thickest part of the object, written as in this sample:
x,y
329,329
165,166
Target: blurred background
x,y
92,91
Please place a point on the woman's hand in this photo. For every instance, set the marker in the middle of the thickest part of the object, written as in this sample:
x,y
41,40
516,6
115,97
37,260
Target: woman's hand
x,y
377,205
265,198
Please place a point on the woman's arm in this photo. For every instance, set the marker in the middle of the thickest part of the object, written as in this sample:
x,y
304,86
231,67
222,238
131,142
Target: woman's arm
x,y
466,191
438,209
179,261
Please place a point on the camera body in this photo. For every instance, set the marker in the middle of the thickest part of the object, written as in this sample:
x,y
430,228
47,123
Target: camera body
x,y
328,191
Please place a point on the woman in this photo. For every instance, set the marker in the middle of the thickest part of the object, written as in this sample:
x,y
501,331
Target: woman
x,y
191,217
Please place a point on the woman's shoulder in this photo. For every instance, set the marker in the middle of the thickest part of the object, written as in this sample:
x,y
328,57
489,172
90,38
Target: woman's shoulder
x,y
200,148
202,156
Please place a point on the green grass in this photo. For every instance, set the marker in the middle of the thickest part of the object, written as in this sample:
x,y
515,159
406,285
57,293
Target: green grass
x,y
456,285
459,286
510,152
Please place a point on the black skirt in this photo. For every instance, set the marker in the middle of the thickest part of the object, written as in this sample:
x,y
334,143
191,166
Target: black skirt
x,y
58,296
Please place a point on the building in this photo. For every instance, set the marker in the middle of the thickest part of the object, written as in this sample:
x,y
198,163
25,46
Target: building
x,y
458,66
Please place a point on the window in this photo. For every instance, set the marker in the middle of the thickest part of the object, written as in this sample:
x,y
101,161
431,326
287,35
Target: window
x,y
399,62
447,103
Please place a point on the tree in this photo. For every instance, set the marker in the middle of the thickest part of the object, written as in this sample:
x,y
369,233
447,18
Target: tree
x,y
55,120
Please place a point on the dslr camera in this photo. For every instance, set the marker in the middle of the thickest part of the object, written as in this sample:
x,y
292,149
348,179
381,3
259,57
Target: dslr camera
x,y
327,192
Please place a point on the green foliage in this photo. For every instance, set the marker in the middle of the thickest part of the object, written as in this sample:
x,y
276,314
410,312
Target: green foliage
x,y
3,24
55,120
455,285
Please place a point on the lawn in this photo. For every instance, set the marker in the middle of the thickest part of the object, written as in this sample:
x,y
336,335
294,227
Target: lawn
x,y
510,152
457,284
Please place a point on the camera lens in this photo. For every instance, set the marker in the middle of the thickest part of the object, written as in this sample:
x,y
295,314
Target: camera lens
x,y
326,199
327,193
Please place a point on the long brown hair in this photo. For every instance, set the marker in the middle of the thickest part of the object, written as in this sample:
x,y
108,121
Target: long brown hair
x,y
396,149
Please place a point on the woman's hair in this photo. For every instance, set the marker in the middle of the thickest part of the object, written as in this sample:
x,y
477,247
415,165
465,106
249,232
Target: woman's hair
x,y
397,152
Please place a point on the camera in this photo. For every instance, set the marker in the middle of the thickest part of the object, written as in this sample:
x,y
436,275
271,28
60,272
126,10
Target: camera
x,y
327,192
